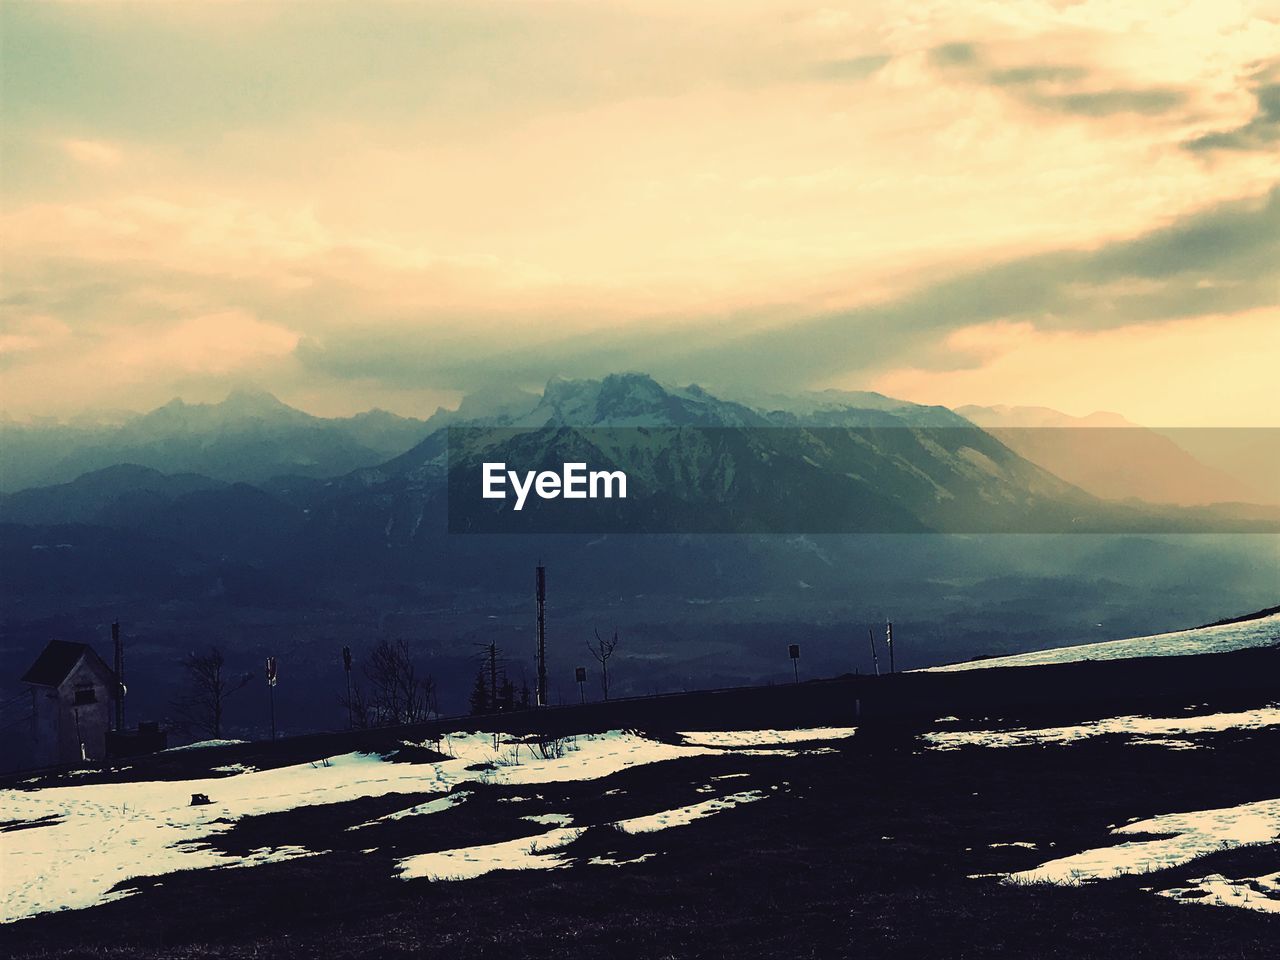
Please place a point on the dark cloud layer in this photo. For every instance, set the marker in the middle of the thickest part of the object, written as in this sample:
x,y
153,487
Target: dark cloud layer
x,y
1262,131
1061,88
1219,261
1149,101
853,68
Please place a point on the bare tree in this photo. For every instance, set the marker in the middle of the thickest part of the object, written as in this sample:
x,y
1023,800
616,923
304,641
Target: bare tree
x,y
398,695
358,709
209,686
602,650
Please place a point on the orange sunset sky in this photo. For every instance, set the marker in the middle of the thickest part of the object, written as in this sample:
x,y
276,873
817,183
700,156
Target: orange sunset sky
x,y
1068,204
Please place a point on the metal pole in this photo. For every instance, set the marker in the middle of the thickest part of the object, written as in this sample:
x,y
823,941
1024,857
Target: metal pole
x,y
874,659
118,645
346,666
271,691
493,677
542,634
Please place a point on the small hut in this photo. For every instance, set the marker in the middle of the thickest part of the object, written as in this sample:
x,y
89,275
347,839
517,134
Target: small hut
x,y
72,691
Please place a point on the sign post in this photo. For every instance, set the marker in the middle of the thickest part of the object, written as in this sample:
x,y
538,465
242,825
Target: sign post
x,y
794,651
580,675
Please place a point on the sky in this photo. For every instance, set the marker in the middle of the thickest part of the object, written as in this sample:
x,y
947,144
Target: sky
x,y
1063,204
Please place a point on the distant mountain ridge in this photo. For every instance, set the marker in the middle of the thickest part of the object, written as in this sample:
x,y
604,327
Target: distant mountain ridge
x,y
889,465
1116,459
251,436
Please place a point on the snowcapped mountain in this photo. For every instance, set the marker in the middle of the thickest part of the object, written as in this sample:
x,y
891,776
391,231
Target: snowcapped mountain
x,y
824,463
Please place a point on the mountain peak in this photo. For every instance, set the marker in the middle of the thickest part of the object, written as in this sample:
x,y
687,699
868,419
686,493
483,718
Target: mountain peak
x,y
254,400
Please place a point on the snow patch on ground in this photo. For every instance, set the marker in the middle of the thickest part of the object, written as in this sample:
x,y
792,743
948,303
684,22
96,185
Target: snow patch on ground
x,y
611,862
438,805
764,738
1182,837
202,744
544,851
95,839
680,816
549,819
1215,890
1160,731
467,863
1228,636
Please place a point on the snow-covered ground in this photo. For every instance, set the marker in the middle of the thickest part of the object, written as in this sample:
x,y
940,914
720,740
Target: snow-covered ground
x,y
545,851
1246,893
763,738
68,847
681,816
1160,731
1179,838
467,863
1220,639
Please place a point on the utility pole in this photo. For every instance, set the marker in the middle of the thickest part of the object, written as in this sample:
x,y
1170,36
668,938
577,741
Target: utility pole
x,y
493,677
118,646
271,690
874,659
346,666
888,639
542,634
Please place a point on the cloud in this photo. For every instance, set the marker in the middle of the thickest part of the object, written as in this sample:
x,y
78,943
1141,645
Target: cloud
x,y
850,68
1221,260
1152,101
59,369
1063,88
212,345
1260,133
954,54
1199,371
93,152
1217,262
414,197
1036,74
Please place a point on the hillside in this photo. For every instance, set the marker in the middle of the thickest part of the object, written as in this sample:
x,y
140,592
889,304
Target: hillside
x,y
299,567
1119,817
1237,634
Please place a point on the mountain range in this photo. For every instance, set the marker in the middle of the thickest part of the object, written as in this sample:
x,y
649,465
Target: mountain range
x,y
1116,459
249,437
825,462
268,552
